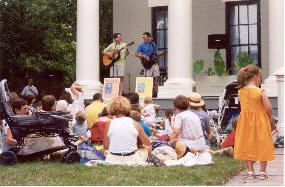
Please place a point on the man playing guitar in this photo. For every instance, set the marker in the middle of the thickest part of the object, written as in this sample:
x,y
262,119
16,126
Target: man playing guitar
x,y
118,68
145,52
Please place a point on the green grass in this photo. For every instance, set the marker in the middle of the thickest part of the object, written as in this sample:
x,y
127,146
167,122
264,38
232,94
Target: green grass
x,y
53,172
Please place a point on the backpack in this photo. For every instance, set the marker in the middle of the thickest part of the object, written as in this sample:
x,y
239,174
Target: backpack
x,y
97,131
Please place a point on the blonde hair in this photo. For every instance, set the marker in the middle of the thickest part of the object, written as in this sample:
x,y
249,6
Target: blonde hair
x,y
119,105
147,100
80,117
246,73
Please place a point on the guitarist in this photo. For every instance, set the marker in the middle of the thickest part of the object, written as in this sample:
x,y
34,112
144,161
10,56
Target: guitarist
x,y
117,70
144,51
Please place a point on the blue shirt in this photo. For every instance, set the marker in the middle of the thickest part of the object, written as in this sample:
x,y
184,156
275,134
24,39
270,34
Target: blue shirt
x,y
145,128
79,129
147,48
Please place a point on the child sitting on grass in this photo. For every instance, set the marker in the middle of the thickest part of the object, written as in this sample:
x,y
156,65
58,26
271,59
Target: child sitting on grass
x,y
79,128
148,112
228,143
135,115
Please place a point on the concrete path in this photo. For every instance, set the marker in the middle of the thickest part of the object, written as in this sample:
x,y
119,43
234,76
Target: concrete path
x,y
275,170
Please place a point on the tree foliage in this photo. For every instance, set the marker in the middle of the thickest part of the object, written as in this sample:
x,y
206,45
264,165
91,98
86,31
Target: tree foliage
x,y
38,40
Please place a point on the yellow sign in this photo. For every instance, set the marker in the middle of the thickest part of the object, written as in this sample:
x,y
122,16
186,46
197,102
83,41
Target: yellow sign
x,y
111,88
144,86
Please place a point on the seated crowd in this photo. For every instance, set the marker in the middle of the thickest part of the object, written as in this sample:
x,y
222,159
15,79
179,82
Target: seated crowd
x,y
125,129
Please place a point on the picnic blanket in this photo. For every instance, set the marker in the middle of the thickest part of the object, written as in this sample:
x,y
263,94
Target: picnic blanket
x,y
189,159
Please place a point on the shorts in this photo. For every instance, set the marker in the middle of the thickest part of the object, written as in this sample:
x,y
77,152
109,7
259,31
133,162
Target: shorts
x,y
119,71
141,155
153,71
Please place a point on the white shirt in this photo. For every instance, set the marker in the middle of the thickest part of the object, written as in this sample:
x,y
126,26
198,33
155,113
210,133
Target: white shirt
x,y
123,135
191,133
167,127
77,105
27,91
149,120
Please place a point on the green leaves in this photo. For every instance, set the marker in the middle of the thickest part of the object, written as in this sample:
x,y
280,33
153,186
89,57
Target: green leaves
x,y
198,66
37,37
220,67
243,59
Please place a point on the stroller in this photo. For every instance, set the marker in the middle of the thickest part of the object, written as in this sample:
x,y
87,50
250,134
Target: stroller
x,y
39,124
229,107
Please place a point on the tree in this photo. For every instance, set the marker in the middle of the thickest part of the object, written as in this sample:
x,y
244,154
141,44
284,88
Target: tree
x,y
38,40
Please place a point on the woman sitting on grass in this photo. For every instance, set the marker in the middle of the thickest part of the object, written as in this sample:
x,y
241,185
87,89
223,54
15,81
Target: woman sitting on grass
x,y
187,126
122,134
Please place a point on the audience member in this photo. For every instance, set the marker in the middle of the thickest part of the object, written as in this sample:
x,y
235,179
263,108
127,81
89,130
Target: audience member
x,y
149,113
135,115
95,108
20,107
122,134
78,99
228,143
30,89
64,102
196,106
187,126
79,128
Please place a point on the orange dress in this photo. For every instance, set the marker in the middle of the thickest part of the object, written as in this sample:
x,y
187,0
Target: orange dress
x,y
253,140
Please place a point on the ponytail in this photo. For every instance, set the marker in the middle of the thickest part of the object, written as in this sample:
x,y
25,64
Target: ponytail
x,y
246,73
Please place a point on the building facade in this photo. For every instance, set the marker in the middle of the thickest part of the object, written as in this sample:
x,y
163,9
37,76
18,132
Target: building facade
x,y
182,28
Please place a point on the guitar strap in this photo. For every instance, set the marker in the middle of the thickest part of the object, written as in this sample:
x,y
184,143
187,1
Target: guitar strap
x,y
152,49
113,65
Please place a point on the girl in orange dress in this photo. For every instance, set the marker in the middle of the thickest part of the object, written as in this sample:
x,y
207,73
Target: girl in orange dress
x,y
253,140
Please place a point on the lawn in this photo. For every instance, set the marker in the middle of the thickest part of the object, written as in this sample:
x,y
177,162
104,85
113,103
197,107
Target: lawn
x,y
53,172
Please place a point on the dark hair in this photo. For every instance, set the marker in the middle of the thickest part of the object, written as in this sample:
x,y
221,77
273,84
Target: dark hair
x,y
147,34
234,122
18,104
97,96
48,101
103,113
169,112
134,98
115,35
246,73
29,99
181,102
66,96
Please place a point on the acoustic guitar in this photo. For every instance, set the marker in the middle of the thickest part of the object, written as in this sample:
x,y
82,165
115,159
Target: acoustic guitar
x,y
149,60
109,61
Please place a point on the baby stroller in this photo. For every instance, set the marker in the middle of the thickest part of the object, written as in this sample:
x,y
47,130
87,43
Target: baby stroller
x,y
229,107
41,124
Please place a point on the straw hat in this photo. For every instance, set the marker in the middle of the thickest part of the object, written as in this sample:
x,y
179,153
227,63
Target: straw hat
x,y
179,147
195,100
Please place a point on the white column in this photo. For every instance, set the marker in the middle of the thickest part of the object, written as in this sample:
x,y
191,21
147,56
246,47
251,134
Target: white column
x,y
280,82
87,47
179,50
276,44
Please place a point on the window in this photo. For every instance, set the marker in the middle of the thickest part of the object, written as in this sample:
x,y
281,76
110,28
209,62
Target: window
x,y
243,31
159,31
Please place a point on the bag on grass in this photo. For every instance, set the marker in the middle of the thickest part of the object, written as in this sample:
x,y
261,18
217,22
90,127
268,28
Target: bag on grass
x,y
87,152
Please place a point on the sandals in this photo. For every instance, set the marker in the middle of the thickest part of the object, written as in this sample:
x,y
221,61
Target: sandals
x,y
262,175
250,175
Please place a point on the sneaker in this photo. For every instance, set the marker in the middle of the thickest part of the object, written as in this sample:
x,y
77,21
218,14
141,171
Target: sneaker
x,y
153,159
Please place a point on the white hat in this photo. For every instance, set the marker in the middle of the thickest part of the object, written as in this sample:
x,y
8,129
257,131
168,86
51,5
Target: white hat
x,y
195,100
